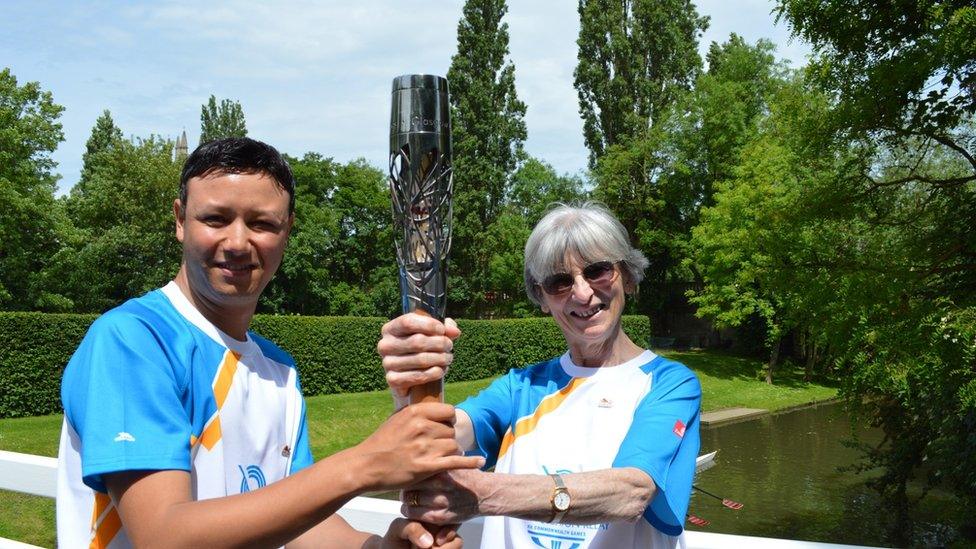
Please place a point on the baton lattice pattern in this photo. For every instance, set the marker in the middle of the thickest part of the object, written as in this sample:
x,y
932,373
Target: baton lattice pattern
x,y
422,215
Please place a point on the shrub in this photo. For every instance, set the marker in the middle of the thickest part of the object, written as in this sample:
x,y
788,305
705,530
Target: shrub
x,y
334,354
36,347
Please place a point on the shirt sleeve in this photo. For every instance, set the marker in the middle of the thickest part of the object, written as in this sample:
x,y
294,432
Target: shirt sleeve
x,y
491,413
122,394
302,456
663,441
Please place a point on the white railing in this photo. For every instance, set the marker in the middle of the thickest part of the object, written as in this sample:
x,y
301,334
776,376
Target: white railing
x,y
38,475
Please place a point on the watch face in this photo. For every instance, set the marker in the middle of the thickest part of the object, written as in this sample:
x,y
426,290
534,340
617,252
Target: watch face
x,y
561,501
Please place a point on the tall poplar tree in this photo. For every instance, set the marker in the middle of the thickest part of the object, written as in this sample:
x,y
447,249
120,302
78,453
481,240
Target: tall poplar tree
x,y
225,119
488,131
635,57
637,60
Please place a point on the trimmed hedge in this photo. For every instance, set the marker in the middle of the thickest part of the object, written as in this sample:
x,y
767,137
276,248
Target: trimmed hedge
x,y
334,354
34,348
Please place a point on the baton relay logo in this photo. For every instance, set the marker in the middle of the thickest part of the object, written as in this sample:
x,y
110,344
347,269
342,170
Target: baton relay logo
x,y
252,473
556,543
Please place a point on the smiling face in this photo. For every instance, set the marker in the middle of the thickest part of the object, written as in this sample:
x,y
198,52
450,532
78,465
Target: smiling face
x,y
589,313
234,230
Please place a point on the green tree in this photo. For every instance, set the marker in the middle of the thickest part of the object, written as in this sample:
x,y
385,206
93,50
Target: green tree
x,y
488,130
536,186
303,281
125,243
724,111
637,61
340,258
635,58
32,222
751,242
907,68
104,135
859,239
903,78
633,180
700,148
221,120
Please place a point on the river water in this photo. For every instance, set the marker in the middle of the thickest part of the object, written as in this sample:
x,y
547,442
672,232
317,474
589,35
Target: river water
x,y
784,470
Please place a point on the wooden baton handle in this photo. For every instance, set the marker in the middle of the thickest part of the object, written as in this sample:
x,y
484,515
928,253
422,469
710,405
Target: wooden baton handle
x,y
432,391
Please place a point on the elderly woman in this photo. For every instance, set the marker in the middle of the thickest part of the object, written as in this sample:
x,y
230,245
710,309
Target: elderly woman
x,y
592,449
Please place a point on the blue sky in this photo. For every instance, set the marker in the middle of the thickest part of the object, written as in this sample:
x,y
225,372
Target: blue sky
x,y
311,76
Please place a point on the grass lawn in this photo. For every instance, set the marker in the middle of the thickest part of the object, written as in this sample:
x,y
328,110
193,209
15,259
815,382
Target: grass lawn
x,y
731,381
340,421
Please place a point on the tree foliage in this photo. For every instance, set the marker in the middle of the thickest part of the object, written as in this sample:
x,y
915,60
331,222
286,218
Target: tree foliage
x,y
488,130
635,58
123,243
903,79
225,119
104,135
637,61
847,218
750,244
32,221
658,183
909,67
340,258
536,186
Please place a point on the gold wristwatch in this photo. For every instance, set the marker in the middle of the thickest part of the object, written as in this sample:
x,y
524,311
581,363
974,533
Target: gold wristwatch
x,y
560,499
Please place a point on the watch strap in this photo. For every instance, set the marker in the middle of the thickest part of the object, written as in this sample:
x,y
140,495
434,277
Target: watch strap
x,y
560,487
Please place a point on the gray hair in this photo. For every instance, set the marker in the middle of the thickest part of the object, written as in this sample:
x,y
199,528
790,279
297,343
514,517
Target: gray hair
x,y
588,232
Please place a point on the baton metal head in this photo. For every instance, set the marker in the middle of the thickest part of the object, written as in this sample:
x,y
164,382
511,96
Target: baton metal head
x,y
421,184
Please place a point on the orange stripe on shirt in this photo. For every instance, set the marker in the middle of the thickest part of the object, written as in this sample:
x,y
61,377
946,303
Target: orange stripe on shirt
x,y
105,522
221,388
225,377
211,435
527,424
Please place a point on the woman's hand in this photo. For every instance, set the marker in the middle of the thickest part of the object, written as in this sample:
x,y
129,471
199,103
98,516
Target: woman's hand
x,y
416,349
446,498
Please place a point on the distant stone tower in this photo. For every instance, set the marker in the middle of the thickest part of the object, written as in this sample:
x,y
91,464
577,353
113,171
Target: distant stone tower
x,y
181,151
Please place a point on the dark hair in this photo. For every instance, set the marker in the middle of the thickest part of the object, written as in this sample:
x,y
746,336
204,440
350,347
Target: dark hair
x,y
238,155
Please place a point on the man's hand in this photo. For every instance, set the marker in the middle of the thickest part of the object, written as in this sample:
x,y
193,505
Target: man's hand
x,y
447,498
416,349
413,444
407,534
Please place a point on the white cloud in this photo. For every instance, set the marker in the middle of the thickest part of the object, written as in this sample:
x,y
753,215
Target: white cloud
x,y
311,75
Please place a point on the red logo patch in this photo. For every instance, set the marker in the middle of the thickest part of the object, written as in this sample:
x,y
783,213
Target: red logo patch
x,y
679,429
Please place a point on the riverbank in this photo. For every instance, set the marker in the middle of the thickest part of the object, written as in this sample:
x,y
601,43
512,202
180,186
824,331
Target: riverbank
x,y
340,421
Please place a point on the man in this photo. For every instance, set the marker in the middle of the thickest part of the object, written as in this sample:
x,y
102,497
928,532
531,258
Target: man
x,y
183,429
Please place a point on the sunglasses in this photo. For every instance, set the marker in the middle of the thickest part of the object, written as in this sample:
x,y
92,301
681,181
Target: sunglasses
x,y
599,273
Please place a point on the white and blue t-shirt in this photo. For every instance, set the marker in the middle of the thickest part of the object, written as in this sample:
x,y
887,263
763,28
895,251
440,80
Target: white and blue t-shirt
x,y
557,417
155,386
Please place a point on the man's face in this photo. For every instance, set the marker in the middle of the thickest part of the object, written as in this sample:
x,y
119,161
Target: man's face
x,y
234,229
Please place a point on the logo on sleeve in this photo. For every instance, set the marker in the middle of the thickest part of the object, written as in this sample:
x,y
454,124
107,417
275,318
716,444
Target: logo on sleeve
x,y
679,429
124,437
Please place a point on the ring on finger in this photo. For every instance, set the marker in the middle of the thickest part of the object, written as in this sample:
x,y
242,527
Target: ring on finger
x,y
414,499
